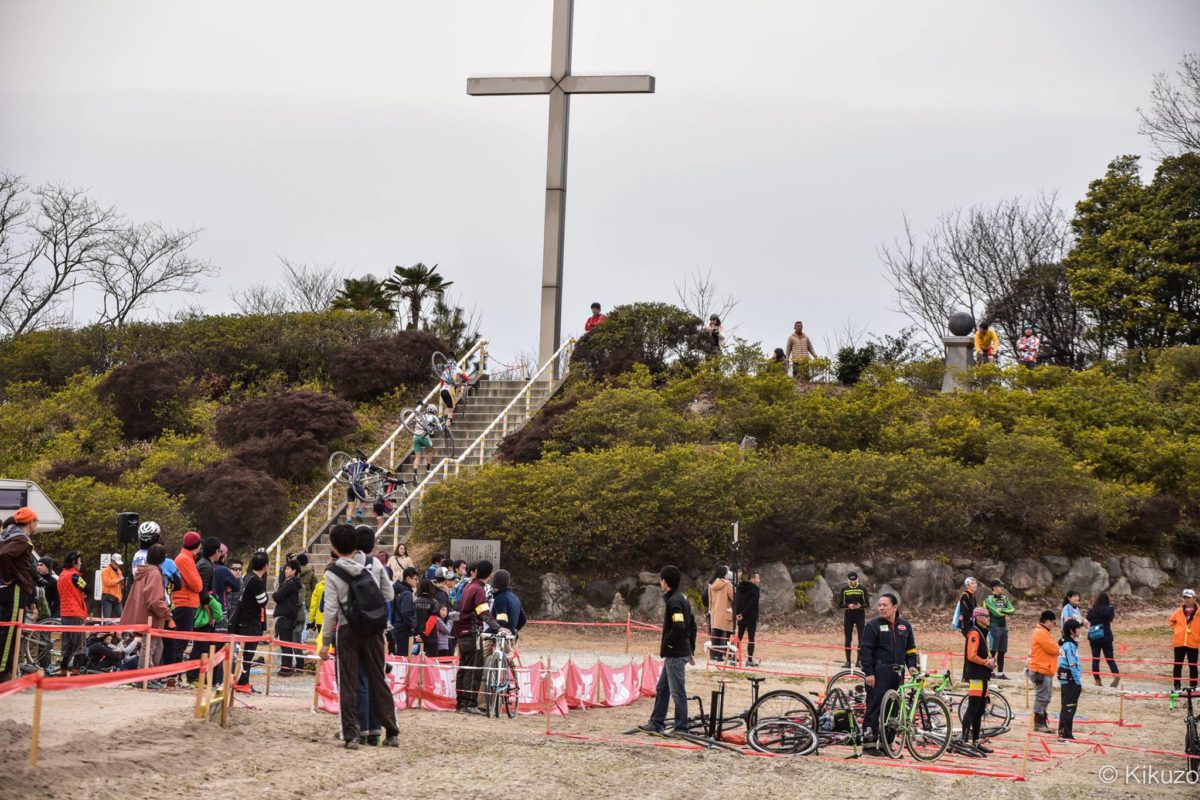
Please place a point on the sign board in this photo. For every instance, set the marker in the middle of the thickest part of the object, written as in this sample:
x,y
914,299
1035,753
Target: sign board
x,y
472,550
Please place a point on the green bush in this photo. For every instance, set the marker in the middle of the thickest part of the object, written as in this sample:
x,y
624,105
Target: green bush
x,y
655,335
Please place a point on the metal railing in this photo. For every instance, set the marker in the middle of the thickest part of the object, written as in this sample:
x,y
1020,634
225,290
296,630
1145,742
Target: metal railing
x,y
557,365
310,532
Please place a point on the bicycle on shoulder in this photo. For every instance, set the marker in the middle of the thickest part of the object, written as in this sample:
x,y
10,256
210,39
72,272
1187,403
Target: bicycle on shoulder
x,y
1191,733
424,422
500,687
366,482
908,717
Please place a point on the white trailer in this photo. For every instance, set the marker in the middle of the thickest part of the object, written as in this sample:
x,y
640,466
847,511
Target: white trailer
x,y
15,493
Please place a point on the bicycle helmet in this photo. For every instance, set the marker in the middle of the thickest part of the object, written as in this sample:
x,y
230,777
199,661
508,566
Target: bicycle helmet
x,y
148,533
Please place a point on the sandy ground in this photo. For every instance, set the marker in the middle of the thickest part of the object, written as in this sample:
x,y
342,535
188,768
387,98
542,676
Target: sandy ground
x,y
147,743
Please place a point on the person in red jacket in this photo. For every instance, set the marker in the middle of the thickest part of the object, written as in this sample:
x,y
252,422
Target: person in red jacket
x,y
595,319
187,599
73,608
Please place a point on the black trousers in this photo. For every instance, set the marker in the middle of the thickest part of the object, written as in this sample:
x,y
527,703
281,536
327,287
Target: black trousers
x,y
470,661
248,650
184,618
973,718
1188,654
355,652
199,648
1070,703
1105,646
72,645
285,631
745,632
852,625
885,679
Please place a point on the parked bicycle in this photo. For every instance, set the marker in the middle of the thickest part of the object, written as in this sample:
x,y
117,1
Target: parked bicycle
x,y
1191,732
500,686
369,483
910,718
40,649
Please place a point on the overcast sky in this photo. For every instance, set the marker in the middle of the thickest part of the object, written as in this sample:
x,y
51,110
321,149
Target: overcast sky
x,y
783,144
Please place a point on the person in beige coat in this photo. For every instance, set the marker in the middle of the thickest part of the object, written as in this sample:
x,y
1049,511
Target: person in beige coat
x,y
720,612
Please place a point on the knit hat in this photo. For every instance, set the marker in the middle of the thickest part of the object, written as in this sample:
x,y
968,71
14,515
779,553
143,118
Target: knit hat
x,y
191,540
500,580
979,612
25,515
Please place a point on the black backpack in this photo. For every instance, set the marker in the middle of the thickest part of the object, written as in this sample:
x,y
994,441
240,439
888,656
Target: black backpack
x,y
365,608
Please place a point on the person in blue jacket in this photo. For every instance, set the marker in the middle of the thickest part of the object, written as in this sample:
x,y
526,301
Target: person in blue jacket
x,y
1070,679
506,606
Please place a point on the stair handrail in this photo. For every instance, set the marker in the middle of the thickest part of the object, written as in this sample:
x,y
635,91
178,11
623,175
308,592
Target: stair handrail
x,y
480,348
559,374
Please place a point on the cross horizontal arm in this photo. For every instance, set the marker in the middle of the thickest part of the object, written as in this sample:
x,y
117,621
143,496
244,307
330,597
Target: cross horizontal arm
x,y
607,84
516,84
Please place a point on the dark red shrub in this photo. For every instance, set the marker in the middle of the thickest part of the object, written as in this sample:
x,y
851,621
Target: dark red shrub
x,y
148,397
373,368
82,468
247,508
323,416
287,455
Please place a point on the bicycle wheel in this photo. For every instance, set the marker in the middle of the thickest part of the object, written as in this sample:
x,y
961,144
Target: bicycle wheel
x,y
997,714
409,420
37,649
850,681
368,487
783,704
782,737
439,362
931,729
490,685
1191,746
511,696
891,728
338,466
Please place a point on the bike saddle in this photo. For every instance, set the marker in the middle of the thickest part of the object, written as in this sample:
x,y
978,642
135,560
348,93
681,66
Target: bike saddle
x,y
756,681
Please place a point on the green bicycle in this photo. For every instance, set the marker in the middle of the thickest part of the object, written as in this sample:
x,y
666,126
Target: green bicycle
x,y
910,718
997,713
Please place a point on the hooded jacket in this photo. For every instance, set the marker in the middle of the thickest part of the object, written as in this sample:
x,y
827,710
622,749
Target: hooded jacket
x,y
147,598
16,559
745,601
506,608
1185,632
720,604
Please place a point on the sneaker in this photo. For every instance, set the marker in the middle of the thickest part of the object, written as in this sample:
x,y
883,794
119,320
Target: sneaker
x,y
648,728
1000,677
351,744
846,665
476,710
752,662
156,685
981,747
392,741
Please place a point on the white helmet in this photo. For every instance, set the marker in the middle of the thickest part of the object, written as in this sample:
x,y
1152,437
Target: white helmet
x,y
148,533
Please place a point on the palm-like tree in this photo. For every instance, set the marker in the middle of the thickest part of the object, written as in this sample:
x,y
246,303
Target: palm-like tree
x,y
365,294
415,285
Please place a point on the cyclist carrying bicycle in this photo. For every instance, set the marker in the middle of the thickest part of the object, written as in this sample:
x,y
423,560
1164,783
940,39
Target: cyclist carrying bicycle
x,y
426,424
886,641
451,379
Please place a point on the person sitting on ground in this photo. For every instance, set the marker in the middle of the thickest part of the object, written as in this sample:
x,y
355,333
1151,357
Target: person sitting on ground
x,y
506,606
1100,638
103,654
887,641
356,650
250,617
595,319
977,671
112,583
999,608
720,611
1028,346
147,599
1070,679
966,607
287,608
131,651
1185,637
676,649
1042,667
74,611
987,344
745,612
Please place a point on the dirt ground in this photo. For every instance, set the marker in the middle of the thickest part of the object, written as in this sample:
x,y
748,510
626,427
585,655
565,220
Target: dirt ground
x,y
148,744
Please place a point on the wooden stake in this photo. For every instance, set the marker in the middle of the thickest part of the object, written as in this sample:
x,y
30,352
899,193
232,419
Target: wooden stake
x,y
1026,691
227,693
37,720
1025,753
1121,717
200,685
148,649
15,655
628,630
210,683
269,670
317,685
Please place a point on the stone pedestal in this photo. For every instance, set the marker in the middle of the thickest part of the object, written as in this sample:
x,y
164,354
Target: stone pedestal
x,y
958,359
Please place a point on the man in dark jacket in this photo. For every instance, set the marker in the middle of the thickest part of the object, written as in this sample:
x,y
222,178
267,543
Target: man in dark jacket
x,y
250,617
287,607
853,601
676,649
404,613
473,612
745,613
17,582
506,606
887,641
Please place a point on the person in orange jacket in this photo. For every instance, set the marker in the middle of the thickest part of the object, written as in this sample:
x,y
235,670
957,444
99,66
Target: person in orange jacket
x,y
1042,665
112,585
1185,630
187,599
73,609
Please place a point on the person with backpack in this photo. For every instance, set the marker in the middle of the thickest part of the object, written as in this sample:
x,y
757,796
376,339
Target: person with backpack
x,y
74,610
1042,665
853,602
404,616
978,664
356,618
473,614
999,608
965,610
287,609
1070,679
1100,638
250,617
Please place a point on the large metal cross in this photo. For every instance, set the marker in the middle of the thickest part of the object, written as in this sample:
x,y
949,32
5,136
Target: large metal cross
x,y
560,84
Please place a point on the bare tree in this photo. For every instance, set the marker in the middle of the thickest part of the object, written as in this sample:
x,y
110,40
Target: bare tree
x,y
1173,120
846,334
141,261
971,259
63,234
306,287
699,295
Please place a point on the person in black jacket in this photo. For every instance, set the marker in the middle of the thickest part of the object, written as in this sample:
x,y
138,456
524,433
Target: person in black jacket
x,y
250,616
1102,613
854,602
978,665
966,606
887,641
404,613
745,613
676,650
287,608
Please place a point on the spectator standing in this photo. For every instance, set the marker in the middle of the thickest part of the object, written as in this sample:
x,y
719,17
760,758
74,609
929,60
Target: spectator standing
x,y
1185,637
1100,638
799,351
745,612
426,610
47,580
404,614
459,579
227,583
400,560
316,617
1028,346
595,319
149,533
308,582
1070,609
977,671
676,649
1043,664
720,610
853,601
887,641
250,617
74,611
17,581
716,333
987,344
1070,679
370,726
287,608
966,607
147,599
112,585
187,599
473,612
999,608
506,606
431,570
357,649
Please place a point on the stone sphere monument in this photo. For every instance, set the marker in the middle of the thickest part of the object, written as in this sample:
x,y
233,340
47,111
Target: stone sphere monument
x,y
961,323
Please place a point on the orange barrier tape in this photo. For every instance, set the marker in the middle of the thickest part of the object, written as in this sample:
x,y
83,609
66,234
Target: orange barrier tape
x,y
19,685
201,636
117,678
33,626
